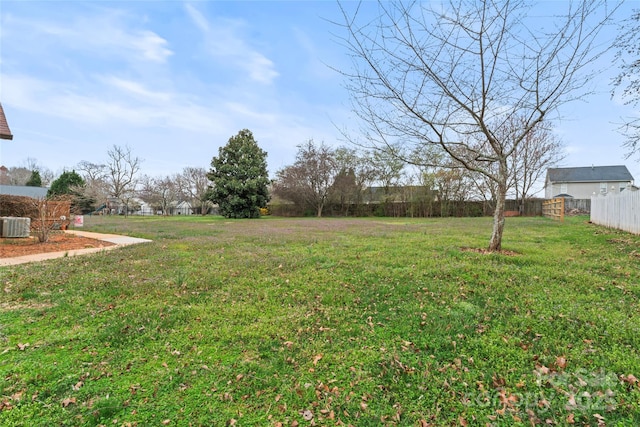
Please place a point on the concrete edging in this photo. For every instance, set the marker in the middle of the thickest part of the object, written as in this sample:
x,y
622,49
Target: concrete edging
x,y
116,239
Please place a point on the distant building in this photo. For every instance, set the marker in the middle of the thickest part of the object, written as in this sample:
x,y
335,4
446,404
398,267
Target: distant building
x,y
584,182
23,190
182,208
5,132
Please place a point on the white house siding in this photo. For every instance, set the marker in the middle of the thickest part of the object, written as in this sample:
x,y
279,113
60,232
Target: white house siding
x,y
182,208
582,190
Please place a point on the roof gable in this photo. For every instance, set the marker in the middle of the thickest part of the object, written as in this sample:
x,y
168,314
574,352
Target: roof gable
x,y
589,174
5,132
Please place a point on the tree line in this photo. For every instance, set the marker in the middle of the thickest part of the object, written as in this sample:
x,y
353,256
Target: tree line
x,y
237,182
344,177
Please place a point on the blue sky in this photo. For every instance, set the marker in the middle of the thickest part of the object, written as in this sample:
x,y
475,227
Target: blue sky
x,y
174,80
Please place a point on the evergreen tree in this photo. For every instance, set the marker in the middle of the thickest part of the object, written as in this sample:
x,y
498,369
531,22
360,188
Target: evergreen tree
x,y
35,180
72,184
67,183
239,177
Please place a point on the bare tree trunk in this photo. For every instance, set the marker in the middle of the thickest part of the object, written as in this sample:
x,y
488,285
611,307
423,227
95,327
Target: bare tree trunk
x,y
495,244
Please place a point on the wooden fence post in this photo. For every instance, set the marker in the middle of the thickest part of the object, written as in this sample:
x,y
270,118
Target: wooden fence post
x,y
554,208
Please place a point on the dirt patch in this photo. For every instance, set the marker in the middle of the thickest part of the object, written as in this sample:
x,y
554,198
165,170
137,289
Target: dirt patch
x,y
486,251
58,242
5,306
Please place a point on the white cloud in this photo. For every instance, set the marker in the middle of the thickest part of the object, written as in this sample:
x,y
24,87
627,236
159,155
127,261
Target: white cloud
x,y
244,111
315,67
197,18
137,89
261,69
223,41
99,34
149,44
98,106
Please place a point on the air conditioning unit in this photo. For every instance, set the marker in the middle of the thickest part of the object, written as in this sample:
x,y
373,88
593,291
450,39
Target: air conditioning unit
x,y
14,227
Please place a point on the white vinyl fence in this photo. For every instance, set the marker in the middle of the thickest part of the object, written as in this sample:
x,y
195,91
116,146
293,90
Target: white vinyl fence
x,y
621,210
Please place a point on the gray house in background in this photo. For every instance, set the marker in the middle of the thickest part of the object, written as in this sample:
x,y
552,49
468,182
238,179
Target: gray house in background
x,y
584,182
23,190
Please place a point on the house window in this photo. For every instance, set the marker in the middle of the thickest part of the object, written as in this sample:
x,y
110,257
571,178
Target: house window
x,y
563,188
603,188
623,185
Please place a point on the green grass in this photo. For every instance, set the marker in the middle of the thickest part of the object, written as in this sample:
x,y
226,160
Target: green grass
x,y
365,322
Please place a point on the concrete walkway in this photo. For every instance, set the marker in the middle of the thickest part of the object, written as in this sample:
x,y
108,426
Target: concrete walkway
x,y
118,241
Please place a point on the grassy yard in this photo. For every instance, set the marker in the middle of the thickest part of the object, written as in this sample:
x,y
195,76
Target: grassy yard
x,y
300,322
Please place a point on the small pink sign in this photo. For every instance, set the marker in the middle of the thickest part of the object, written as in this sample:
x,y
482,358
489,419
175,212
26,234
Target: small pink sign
x,y
78,221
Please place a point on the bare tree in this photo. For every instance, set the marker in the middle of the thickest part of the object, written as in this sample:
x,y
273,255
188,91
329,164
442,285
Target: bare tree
x,y
389,167
526,165
49,213
308,182
121,170
356,172
628,80
95,190
160,193
453,72
192,184
453,185
539,150
46,175
16,176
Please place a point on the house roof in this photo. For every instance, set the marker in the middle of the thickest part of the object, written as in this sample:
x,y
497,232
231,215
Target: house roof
x,y
23,190
5,132
589,174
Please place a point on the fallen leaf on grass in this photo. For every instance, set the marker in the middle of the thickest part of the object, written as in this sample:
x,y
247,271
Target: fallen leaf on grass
x,y
165,422
631,379
542,370
77,386
572,403
498,382
600,419
22,347
68,401
316,359
307,415
533,420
